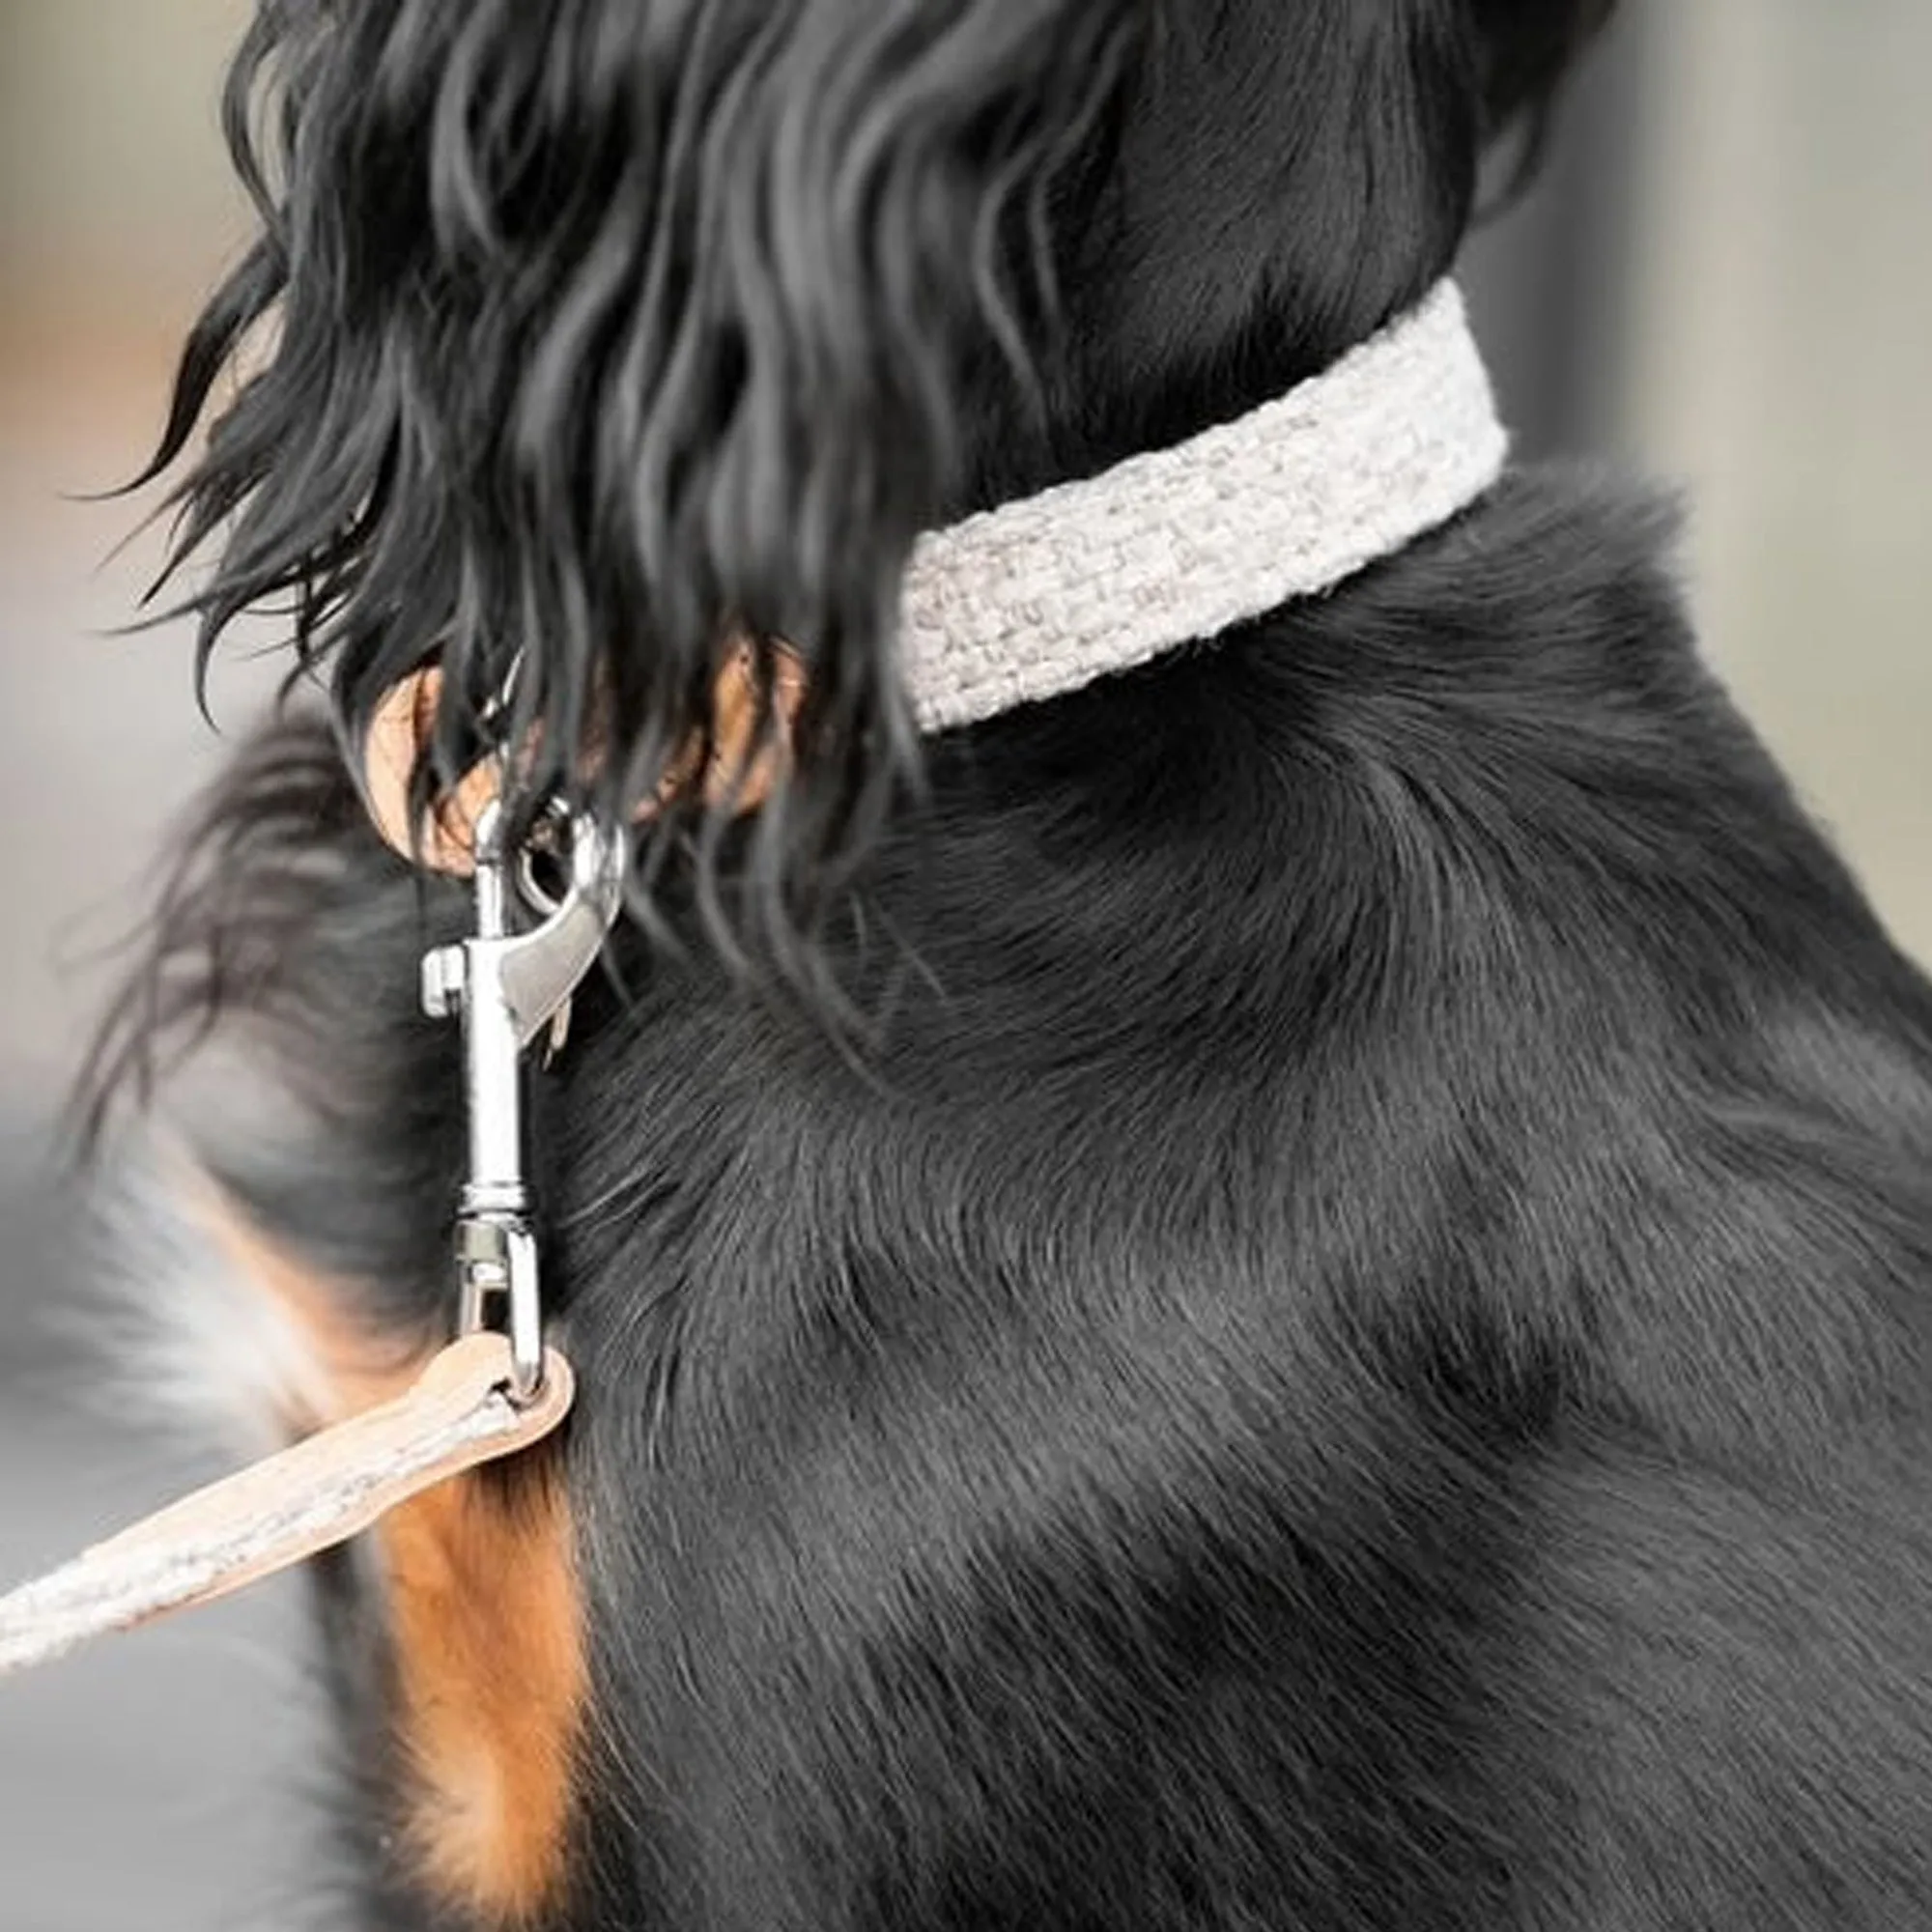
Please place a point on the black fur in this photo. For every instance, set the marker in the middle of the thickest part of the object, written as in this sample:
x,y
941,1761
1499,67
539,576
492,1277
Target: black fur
x,y
1350,1348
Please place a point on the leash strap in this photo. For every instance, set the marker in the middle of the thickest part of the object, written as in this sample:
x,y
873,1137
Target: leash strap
x,y
275,1514
492,1392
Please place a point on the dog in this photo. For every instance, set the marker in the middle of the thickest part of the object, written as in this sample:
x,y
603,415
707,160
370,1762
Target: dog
x,y
1288,1290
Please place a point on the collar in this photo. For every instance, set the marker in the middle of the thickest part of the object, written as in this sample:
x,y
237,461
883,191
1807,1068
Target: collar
x,y
1039,597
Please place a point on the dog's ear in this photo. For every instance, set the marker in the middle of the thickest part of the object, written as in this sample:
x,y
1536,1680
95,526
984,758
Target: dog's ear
x,y
1527,48
608,332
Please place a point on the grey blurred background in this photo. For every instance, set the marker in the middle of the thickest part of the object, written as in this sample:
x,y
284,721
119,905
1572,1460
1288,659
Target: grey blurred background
x,y
1726,279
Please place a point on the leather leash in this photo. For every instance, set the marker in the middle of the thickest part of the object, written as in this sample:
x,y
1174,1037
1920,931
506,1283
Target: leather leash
x,y
490,1394
497,1389
291,1506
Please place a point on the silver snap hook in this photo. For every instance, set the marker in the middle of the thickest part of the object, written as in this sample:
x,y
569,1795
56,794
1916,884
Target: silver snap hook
x,y
508,988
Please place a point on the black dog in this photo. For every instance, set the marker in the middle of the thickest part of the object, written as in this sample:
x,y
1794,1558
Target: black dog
x,y
1291,1292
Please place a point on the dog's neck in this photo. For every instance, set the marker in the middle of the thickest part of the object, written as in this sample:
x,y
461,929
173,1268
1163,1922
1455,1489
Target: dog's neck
x,y
1042,596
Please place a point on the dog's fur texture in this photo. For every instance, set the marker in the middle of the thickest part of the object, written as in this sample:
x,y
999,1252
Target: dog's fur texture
x,y
1291,1292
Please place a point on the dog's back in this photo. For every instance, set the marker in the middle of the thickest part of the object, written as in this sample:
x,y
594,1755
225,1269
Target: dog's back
x,y
1342,1343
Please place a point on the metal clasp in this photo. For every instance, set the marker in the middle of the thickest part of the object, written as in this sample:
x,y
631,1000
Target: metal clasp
x,y
509,986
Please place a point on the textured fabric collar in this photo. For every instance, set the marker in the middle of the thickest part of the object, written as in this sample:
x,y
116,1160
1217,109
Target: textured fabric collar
x,y
1042,596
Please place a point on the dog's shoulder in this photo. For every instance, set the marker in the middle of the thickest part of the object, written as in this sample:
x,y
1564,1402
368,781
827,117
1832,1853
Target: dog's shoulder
x,y
1383,1252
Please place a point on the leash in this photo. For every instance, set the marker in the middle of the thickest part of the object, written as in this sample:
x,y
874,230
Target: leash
x,y
459,1414
495,1391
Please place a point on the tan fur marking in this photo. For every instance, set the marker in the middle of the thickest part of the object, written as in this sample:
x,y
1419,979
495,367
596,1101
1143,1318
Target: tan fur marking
x,y
488,1635
480,1582
740,772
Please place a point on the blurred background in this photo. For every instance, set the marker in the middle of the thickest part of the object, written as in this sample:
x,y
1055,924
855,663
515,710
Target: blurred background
x,y
1725,279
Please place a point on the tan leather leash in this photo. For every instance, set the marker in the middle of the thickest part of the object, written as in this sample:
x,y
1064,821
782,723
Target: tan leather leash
x,y
493,1391
280,1511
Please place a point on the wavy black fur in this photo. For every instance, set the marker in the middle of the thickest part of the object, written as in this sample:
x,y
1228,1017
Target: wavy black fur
x,y
1353,1355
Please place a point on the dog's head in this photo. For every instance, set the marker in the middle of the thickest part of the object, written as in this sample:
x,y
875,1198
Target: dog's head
x,y
602,329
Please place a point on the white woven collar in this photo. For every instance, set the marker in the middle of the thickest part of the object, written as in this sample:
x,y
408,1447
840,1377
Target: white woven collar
x,y
1042,596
